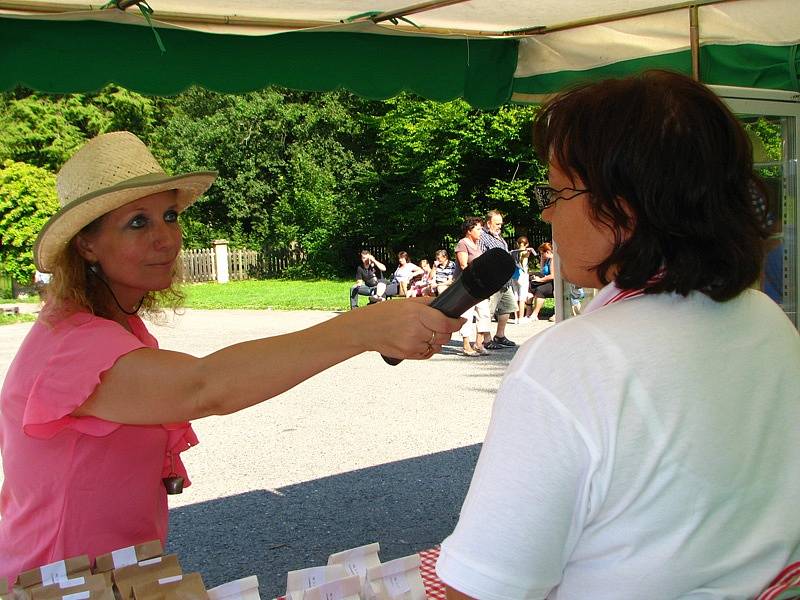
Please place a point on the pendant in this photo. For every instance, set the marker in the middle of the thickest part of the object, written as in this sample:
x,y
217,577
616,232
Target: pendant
x,y
173,482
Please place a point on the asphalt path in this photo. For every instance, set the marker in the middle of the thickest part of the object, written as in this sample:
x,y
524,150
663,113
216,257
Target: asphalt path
x,y
360,453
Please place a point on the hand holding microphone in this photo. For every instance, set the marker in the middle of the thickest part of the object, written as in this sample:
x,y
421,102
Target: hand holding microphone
x,y
486,275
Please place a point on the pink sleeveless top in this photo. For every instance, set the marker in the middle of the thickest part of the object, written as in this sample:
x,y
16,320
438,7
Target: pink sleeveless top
x,y
77,485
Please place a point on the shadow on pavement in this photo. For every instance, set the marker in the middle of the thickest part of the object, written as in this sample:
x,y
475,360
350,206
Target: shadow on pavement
x,y
407,506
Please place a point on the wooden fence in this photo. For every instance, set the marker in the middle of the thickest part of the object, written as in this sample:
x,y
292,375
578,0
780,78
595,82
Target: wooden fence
x,y
201,264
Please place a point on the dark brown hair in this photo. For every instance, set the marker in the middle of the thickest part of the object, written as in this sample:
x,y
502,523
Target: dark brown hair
x,y
665,161
469,223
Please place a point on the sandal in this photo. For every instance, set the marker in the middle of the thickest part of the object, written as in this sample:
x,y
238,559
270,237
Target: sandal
x,y
470,353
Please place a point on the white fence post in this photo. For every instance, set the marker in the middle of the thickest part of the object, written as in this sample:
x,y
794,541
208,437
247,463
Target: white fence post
x,y
221,259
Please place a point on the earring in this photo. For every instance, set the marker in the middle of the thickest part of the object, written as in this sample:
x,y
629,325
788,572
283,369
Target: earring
x,y
93,268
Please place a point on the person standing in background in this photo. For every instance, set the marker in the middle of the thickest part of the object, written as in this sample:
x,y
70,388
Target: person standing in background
x,y
519,282
477,318
502,303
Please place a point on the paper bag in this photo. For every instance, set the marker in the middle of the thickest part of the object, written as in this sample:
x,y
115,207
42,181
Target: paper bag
x,y
144,572
128,556
241,589
299,581
123,557
179,587
339,589
90,583
5,592
357,560
54,572
398,579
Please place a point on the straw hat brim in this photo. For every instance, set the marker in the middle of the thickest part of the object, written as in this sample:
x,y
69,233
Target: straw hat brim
x,y
68,221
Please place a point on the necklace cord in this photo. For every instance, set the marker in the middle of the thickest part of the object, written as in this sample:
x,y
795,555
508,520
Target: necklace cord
x,y
93,271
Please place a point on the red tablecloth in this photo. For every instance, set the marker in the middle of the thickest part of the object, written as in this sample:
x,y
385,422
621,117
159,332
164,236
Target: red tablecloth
x,y
433,585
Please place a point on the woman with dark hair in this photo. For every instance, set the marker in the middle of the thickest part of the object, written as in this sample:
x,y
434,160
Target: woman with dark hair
x,y
477,318
634,451
405,272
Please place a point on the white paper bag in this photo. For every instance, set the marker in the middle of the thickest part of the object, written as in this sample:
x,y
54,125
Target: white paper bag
x,y
357,560
299,581
240,589
398,579
339,589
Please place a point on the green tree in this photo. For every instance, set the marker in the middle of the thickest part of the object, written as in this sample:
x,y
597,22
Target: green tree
x,y
441,162
27,200
289,167
45,130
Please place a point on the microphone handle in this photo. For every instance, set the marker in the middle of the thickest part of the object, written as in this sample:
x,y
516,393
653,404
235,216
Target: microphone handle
x,y
453,302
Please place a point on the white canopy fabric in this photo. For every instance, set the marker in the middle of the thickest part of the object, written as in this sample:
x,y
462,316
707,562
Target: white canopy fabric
x,y
440,49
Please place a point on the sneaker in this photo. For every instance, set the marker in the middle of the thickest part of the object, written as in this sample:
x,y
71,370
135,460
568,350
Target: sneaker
x,y
493,346
503,341
482,350
523,320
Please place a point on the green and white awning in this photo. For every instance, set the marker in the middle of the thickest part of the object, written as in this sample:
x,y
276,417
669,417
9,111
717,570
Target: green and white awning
x,y
485,51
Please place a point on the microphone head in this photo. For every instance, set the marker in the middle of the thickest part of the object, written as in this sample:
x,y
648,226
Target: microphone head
x,y
488,273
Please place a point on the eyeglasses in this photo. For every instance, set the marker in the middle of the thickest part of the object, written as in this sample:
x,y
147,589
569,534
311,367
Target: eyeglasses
x,y
547,196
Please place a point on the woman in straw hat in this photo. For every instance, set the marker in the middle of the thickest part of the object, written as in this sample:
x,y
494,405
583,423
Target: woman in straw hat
x,y
94,415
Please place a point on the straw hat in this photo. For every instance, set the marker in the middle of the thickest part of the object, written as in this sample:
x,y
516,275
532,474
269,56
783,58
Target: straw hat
x,y
108,172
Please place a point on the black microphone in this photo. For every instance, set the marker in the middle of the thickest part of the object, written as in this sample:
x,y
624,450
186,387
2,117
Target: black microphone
x,y
482,278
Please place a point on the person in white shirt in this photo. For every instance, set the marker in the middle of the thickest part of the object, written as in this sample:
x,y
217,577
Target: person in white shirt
x,y
644,448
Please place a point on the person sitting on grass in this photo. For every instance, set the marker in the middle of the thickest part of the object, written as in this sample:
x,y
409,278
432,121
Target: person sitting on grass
x,y
369,280
405,272
421,284
542,282
444,271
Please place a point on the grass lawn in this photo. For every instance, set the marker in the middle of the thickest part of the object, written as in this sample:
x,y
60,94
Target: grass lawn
x,y
281,294
6,319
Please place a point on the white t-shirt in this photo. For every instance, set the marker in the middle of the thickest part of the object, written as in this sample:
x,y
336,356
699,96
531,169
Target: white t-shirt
x,y
647,450
403,272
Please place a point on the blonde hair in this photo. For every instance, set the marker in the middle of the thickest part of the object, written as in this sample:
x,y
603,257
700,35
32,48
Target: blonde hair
x,y
73,289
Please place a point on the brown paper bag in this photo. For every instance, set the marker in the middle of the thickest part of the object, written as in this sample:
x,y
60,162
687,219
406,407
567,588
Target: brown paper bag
x,y
61,570
104,594
128,556
241,589
398,579
143,572
180,587
91,583
123,557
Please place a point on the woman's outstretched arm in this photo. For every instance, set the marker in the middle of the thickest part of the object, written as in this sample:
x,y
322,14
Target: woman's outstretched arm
x,y
149,386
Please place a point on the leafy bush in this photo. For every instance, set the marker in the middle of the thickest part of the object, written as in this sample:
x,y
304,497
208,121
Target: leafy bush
x,y
27,200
